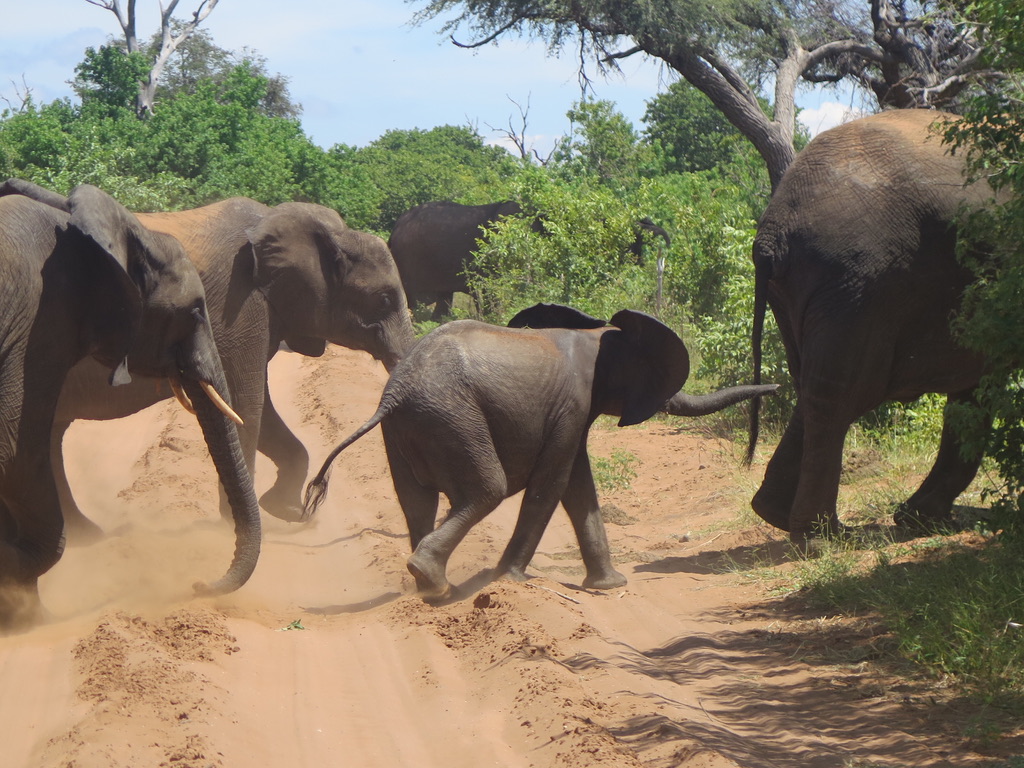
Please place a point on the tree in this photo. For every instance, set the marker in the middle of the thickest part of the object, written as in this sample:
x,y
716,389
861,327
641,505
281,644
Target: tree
x,y
109,78
199,58
728,49
410,167
691,134
171,36
602,144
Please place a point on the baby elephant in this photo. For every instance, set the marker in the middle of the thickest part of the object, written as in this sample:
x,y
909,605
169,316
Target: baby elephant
x,y
480,412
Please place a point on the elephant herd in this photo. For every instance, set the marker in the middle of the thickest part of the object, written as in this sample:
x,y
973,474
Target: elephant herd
x,y
855,255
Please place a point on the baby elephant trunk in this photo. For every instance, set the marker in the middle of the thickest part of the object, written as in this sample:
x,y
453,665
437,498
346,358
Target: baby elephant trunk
x,y
682,404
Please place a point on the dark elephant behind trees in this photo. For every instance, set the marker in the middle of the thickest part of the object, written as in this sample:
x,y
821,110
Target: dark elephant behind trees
x,y
856,256
433,246
294,274
480,412
81,276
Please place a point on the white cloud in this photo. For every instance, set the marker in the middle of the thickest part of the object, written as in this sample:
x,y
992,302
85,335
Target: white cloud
x,y
827,115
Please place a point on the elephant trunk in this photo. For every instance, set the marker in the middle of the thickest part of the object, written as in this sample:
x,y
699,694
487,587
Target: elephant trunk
x,y
226,451
682,404
397,339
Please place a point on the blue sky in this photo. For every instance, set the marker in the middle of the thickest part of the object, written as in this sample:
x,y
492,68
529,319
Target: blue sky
x,y
358,67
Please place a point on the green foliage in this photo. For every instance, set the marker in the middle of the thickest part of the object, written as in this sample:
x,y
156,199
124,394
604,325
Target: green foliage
x,y
689,131
199,59
411,167
602,145
212,142
582,258
615,473
993,313
108,79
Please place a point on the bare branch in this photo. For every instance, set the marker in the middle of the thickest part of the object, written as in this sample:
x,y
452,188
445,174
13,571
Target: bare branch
x,y
625,54
23,95
489,39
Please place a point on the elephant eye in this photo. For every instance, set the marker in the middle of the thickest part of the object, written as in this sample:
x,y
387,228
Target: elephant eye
x,y
386,302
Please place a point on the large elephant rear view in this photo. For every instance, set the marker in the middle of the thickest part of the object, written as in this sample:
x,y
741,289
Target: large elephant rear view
x,y
433,246
856,255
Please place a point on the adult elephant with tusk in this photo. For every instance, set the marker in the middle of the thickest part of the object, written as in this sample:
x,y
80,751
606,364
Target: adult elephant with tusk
x,y
81,276
293,274
480,412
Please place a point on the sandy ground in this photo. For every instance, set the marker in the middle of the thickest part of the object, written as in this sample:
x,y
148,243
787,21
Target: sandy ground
x,y
327,658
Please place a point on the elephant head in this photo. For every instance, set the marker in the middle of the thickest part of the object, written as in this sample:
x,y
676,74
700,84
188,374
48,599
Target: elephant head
x,y
328,282
640,362
148,315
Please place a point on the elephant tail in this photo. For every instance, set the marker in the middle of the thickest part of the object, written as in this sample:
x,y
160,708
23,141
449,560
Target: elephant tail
x,y
316,489
762,274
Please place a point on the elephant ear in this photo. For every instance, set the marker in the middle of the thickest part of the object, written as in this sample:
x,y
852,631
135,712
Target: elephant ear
x,y
647,359
296,264
554,316
118,251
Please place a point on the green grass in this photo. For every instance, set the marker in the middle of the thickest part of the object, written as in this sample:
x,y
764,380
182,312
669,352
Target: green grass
x,y
955,606
614,473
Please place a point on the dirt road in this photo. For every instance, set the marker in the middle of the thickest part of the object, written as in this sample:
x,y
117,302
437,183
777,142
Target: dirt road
x,y
326,658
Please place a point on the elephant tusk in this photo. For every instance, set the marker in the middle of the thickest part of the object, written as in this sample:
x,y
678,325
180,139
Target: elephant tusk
x,y
217,400
181,397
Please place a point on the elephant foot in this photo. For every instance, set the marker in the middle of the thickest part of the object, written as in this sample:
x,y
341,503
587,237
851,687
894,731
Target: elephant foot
x,y
916,520
515,574
80,531
20,607
605,580
431,581
282,505
773,514
808,541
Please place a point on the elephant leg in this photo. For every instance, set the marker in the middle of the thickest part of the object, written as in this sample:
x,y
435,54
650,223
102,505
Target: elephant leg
x,y
581,503
539,503
774,500
443,307
419,503
33,542
283,499
481,487
78,528
814,505
931,505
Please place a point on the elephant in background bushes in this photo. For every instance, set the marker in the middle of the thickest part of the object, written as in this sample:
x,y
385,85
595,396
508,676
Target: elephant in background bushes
x,y
81,276
856,256
480,412
293,274
433,246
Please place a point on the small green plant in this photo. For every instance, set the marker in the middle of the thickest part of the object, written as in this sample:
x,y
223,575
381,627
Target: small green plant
x,y
615,473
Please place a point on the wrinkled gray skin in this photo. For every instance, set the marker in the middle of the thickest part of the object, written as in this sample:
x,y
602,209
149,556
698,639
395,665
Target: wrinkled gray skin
x,y
480,412
294,273
855,254
82,277
433,245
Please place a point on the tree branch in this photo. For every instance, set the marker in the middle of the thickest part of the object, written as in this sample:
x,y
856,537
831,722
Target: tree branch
x,y
489,39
